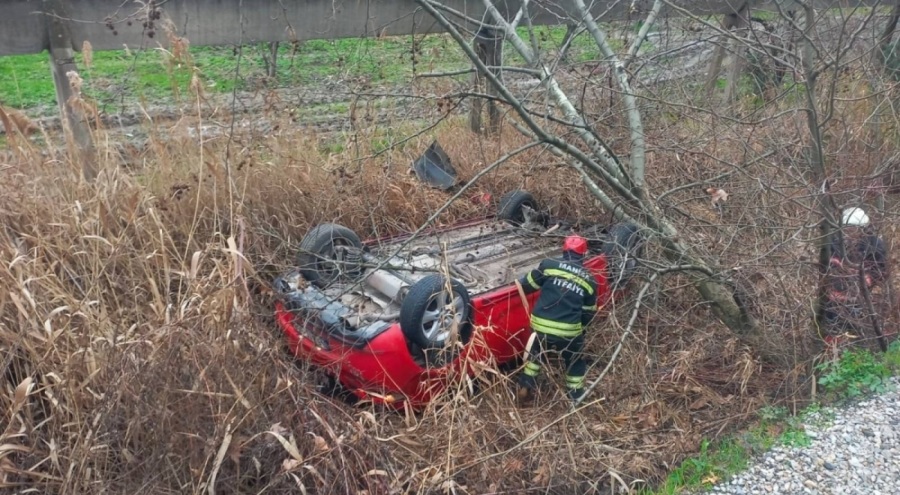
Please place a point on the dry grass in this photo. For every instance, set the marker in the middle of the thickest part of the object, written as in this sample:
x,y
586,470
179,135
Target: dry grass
x,y
136,307
140,356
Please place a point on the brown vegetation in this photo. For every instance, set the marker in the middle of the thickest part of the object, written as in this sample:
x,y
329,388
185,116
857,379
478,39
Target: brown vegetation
x,y
139,353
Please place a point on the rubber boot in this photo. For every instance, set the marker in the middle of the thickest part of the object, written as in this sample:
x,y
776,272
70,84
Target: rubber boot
x,y
575,394
525,388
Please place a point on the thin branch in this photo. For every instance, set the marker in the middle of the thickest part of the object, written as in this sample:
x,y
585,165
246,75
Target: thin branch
x,y
634,315
642,34
631,110
504,68
479,23
605,155
870,308
716,178
530,438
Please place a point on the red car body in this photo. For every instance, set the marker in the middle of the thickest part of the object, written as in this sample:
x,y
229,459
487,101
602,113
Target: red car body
x,y
384,371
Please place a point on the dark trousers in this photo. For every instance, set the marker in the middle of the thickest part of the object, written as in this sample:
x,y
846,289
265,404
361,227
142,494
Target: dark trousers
x,y
844,316
571,351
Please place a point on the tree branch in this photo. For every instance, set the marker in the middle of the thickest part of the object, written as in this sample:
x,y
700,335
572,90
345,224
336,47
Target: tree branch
x,y
630,325
634,116
642,34
607,172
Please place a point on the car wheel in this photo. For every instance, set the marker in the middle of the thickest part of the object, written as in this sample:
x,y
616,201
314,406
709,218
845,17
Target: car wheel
x,y
512,206
430,311
324,257
624,248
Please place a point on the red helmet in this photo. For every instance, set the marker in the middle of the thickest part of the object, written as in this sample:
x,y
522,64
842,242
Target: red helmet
x,y
575,244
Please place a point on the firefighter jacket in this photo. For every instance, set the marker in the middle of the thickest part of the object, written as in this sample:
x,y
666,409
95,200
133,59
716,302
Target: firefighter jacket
x,y
861,247
568,299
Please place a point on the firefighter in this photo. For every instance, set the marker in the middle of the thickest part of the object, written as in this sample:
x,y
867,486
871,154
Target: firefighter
x,y
861,248
567,303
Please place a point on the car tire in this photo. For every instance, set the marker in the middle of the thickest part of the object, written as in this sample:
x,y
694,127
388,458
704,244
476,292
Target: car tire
x,y
318,254
421,317
624,248
510,206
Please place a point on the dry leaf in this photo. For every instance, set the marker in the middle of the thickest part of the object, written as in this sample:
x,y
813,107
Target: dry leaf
x,y
6,466
712,478
87,52
289,446
512,465
289,464
541,475
320,444
22,392
717,195
699,403
367,417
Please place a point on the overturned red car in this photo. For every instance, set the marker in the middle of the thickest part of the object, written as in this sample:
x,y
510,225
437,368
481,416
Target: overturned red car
x,y
393,320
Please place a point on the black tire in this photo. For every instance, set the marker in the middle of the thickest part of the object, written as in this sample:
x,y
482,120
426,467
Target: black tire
x,y
624,248
421,313
510,207
317,256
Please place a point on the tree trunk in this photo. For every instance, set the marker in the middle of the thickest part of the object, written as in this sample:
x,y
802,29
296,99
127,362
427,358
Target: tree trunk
x,y
270,59
732,85
887,35
715,66
489,47
62,62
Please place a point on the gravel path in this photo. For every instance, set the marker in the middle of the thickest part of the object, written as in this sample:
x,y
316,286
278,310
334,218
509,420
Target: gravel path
x,y
854,450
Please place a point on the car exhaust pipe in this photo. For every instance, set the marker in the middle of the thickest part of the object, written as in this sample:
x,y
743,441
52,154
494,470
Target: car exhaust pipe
x,y
388,284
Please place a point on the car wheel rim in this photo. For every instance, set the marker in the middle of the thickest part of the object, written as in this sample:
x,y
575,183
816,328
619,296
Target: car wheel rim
x,y
441,314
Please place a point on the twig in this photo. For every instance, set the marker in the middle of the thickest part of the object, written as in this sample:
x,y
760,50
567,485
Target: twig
x,y
611,168
220,456
642,34
873,317
505,68
634,314
530,438
612,359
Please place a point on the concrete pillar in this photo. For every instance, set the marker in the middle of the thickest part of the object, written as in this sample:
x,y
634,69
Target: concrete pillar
x,y
62,61
489,47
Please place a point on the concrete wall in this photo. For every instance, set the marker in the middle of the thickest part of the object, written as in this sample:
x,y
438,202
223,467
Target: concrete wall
x,y
222,22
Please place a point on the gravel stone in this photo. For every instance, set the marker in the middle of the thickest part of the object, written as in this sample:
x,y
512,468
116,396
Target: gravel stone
x,y
853,452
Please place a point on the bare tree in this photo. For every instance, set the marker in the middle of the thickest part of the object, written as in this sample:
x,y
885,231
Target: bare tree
x,y
616,183
830,44
799,55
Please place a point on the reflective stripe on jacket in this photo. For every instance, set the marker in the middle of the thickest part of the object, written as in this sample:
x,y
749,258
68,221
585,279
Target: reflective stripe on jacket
x,y
568,299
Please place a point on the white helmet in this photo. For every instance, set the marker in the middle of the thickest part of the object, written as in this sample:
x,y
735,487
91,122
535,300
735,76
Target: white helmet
x,y
855,217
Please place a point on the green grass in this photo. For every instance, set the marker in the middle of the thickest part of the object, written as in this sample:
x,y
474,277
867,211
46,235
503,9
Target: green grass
x,y
859,373
855,374
733,454
25,80
120,76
